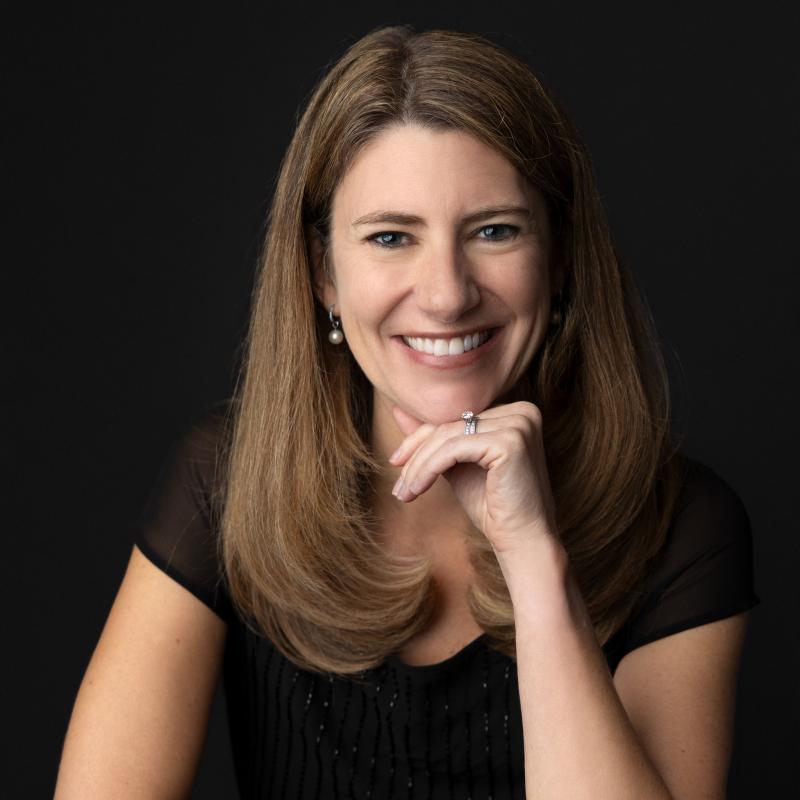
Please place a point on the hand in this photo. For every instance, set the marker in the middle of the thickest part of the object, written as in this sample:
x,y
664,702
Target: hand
x,y
499,474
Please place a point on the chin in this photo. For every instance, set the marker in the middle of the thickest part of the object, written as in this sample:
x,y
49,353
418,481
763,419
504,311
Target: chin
x,y
447,407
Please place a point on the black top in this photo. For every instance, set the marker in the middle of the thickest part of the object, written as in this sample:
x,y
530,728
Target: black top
x,y
452,729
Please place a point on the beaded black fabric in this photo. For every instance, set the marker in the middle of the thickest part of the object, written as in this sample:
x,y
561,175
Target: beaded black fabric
x,y
446,730
452,729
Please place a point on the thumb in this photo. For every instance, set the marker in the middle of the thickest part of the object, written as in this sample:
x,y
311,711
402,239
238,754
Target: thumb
x,y
405,421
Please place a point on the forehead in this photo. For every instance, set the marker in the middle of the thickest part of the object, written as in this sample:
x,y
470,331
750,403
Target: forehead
x,y
432,173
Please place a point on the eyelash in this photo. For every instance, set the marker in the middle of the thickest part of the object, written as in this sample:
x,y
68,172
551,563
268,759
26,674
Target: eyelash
x,y
513,231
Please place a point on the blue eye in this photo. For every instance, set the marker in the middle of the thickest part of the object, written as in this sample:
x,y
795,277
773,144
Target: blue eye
x,y
508,231
377,239
511,232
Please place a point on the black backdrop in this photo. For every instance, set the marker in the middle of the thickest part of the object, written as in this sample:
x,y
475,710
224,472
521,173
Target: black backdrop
x,y
140,152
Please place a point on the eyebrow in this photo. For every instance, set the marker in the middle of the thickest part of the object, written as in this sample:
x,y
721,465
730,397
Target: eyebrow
x,y
401,218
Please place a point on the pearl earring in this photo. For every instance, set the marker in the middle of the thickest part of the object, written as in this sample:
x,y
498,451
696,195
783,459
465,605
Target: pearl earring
x,y
335,336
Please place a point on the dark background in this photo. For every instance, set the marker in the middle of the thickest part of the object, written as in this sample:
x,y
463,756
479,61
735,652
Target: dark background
x,y
139,155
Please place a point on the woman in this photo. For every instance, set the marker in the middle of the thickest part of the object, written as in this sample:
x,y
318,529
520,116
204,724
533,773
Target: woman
x,y
441,537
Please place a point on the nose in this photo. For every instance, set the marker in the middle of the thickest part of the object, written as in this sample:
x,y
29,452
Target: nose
x,y
445,288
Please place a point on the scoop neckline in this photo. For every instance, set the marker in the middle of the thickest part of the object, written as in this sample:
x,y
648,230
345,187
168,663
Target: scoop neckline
x,y
426,669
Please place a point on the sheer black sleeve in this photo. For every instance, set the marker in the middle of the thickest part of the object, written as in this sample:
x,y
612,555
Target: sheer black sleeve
x,y
705,571
178,527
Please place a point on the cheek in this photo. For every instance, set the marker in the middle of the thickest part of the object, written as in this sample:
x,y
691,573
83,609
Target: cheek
x,y
368,295
524,286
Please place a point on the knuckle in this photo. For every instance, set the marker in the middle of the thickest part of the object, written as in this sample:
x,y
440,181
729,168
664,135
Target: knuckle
x,y
521,421
514,439
531,412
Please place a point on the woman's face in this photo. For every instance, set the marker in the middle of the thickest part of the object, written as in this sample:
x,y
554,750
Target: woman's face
x,y
436,237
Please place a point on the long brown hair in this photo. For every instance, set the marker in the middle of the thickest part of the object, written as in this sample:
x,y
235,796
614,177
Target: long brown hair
x,y
297,534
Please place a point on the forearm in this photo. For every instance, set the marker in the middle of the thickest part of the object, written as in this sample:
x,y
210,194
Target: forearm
x,y
578,740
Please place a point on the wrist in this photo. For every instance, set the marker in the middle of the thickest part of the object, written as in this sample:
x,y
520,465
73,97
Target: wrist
x,y
536,573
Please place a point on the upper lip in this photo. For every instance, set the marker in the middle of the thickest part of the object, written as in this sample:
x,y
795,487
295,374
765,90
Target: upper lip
x,y
447,334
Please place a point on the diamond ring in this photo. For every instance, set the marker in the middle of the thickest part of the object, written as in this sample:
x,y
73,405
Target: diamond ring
x,y
470,422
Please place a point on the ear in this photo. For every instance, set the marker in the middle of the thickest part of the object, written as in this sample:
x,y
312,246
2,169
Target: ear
x,y
324,290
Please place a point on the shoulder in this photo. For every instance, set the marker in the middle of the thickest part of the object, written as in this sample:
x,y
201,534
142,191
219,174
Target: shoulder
x,y
710,521
192,471
178,528
704,571
707,494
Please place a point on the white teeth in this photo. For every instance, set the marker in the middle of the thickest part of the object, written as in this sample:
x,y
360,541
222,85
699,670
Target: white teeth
x,y
456,347
445,347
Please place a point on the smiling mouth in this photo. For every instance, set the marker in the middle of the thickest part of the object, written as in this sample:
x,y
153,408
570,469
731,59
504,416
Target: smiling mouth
x,y
450,346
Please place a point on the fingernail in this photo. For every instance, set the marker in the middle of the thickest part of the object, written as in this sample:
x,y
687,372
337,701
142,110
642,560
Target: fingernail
x,y
396,453
398,487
